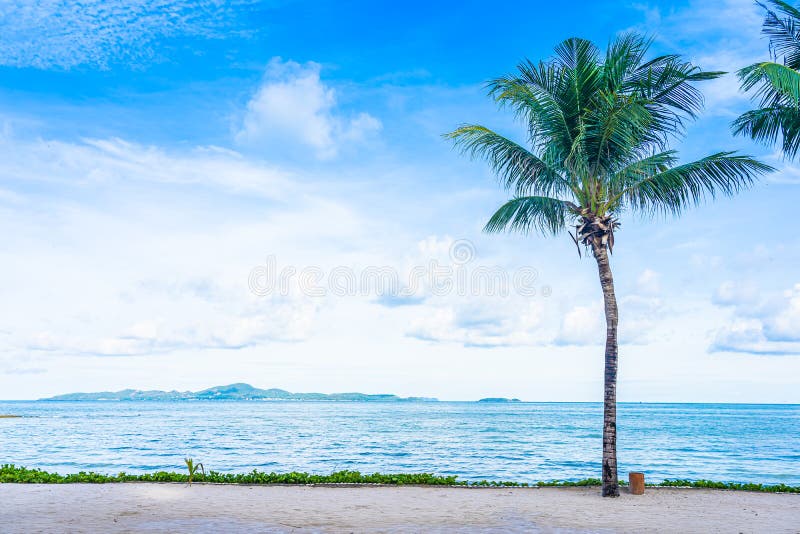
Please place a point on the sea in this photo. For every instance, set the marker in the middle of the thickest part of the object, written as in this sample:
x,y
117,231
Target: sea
x,y
522,442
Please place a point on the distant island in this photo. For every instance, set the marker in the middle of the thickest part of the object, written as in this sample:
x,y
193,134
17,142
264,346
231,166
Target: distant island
x,y
498,399
231,392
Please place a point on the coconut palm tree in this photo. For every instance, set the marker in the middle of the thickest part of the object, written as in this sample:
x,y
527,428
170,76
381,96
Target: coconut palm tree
x,y
598,129
775,84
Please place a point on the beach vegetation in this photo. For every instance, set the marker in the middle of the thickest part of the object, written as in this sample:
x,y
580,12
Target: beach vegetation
x,y
192,467
10,473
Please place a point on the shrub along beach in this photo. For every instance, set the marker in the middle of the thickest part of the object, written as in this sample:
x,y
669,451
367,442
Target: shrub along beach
x,y
20,475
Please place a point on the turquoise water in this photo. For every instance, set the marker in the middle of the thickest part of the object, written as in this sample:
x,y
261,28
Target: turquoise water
x,y
522,442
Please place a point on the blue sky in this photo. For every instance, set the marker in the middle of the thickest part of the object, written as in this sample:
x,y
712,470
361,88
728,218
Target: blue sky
x,y
154,153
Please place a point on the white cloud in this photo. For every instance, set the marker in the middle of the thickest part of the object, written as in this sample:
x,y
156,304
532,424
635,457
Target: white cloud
x,y
582,325
482,322
748,336
198,327
639,318
787,172
704,262
485,320
784,325
731,293
138,250
761,324
648,283
479,305
64,34
294,107
95,162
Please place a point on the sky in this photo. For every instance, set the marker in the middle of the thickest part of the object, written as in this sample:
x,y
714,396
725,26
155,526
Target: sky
x,y
201,193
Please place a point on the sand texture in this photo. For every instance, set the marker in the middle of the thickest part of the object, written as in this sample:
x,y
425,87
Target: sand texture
x,y
138,507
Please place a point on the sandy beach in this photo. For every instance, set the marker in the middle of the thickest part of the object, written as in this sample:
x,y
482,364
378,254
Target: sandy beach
x,y
214,508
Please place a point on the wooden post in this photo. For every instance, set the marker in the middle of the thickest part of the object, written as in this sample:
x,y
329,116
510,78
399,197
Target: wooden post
x,y
636,481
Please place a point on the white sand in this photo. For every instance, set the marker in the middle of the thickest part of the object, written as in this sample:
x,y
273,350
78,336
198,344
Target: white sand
x,y
212,508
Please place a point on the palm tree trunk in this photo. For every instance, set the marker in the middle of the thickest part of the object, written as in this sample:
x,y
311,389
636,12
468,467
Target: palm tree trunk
x,y
610,482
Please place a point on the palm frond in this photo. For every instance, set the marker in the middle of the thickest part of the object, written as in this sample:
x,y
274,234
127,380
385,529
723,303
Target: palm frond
x,y
782,26
775,83
623,58
544,214
577,161
668,82
672,190
532,98
766,125
579,62
517,168
620,126
634,172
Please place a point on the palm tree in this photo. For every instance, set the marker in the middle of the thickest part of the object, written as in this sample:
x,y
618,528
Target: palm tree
x,y
598,133
776,83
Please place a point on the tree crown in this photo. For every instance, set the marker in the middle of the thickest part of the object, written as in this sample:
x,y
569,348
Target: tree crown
x,y
599,127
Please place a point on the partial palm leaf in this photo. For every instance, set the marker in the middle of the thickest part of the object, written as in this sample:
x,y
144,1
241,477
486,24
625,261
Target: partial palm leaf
x,y
544,214
782,26
672,190
518,169
769,125
774,83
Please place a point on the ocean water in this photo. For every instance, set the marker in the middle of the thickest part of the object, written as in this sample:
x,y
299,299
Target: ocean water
x,y
523,442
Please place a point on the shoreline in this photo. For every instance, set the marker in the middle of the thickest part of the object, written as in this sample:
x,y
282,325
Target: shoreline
x,y
179,507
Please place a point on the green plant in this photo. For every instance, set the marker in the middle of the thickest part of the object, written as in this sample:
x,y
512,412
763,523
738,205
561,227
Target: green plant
x,y
599,127
193,467
775,84
10,473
